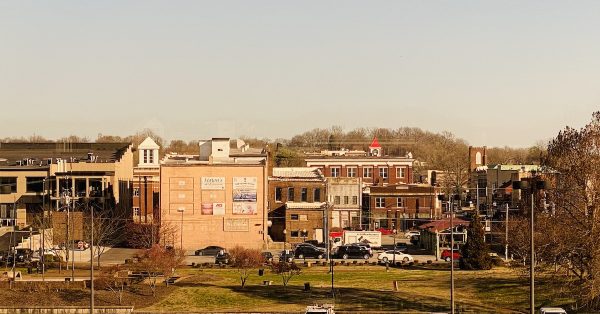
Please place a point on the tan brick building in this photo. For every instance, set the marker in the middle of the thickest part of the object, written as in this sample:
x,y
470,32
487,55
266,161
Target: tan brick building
x,y
217,197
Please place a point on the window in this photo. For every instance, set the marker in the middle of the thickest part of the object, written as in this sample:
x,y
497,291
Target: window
x,y
8,185
346,199
136,212
35,184
303,217
379,202
383,172
336,200
278,194
304,195
400,172
150,156
352,172
294,217
145,156
317,195
335,172
136,192
295,234
290,197
355,200
400,202
367,172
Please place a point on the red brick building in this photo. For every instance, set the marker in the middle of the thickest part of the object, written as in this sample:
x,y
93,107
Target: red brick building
x,y
146,183
374,168
401,207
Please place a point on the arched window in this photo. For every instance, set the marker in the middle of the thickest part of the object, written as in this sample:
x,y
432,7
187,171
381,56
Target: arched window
x,y
478,158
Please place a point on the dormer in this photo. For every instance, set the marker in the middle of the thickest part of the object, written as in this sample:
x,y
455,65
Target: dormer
x,y
148,153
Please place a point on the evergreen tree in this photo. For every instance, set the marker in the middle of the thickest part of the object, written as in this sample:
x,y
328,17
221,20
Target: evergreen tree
x,y
475,253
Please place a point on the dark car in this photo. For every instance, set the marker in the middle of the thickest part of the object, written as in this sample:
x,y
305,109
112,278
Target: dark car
x,y
222,258
287,256
304,251
415,239
366,246
352,251
402,247
212,250
316,243
267,256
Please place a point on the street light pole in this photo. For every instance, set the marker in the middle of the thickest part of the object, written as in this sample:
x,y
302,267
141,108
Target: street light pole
x,y
451,208
394,256
532,257
506,235
92,261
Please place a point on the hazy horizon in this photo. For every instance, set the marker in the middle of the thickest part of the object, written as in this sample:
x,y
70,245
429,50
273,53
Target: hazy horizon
x,y
507,73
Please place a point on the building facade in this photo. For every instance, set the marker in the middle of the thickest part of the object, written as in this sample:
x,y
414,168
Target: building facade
x,y
297,204
146,183
39,177
401,207
345,196
217,197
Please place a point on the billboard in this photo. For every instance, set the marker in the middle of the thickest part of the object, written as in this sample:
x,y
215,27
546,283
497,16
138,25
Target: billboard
x,y
219,209
207,208
244,189
244,208
213,183
236,224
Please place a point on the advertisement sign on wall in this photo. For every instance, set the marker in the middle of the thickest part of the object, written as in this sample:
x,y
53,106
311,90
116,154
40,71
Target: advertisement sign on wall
x,y
207,208
219,209
213,183
236,224
244,208
244,189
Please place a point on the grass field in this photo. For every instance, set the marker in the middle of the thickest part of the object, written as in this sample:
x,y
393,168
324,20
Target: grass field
x,y
358,288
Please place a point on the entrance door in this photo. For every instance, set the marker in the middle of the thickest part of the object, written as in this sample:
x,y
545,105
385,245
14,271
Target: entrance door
x,y
319,235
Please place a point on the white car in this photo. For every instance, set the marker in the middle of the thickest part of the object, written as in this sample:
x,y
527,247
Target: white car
x,y
552,310
409,234
390,256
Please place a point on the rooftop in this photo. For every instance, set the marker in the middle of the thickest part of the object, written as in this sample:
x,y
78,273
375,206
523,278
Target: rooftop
x,y
305,205
38,154
291,173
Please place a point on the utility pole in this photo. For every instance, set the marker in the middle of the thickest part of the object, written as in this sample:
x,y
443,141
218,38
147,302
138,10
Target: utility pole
x,y
91,261
506,235
43,253
451,207
532,257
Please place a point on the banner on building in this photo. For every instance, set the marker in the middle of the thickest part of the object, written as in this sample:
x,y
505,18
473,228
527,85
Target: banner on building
x,y
207,208
213,183
236,225
244,208
219,209
244,189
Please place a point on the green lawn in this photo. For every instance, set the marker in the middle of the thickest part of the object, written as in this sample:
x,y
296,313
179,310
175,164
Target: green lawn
x,y
358,288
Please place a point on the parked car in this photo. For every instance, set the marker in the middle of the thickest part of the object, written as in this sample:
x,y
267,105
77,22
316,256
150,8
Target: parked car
x,y
410,233
286,255
267,256
316,243
402,247
352,251
448,256
367,246
212,250
415,239
304,251
552,310
398,256
222,258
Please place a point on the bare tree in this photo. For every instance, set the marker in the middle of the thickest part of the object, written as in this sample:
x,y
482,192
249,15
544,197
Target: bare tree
x,y
159,261
108,231
245,260
285,270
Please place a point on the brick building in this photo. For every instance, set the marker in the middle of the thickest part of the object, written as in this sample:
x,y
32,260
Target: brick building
x,y
217,197
373,168
297,204
401,207
146,183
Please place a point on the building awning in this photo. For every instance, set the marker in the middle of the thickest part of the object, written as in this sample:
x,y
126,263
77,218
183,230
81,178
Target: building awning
x,y
30,199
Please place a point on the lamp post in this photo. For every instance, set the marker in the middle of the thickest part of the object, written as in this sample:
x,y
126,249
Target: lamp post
x,y
394,232
304,240
284,240
532,188
450,209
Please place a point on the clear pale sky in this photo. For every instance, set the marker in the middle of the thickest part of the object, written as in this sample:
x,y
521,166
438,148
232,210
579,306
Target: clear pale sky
x,y
494,73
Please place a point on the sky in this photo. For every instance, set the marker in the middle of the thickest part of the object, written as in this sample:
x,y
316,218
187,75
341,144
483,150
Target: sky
x,y
494,73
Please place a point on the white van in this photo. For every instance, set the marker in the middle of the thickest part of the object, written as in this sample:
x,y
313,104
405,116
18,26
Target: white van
x,y
552,310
